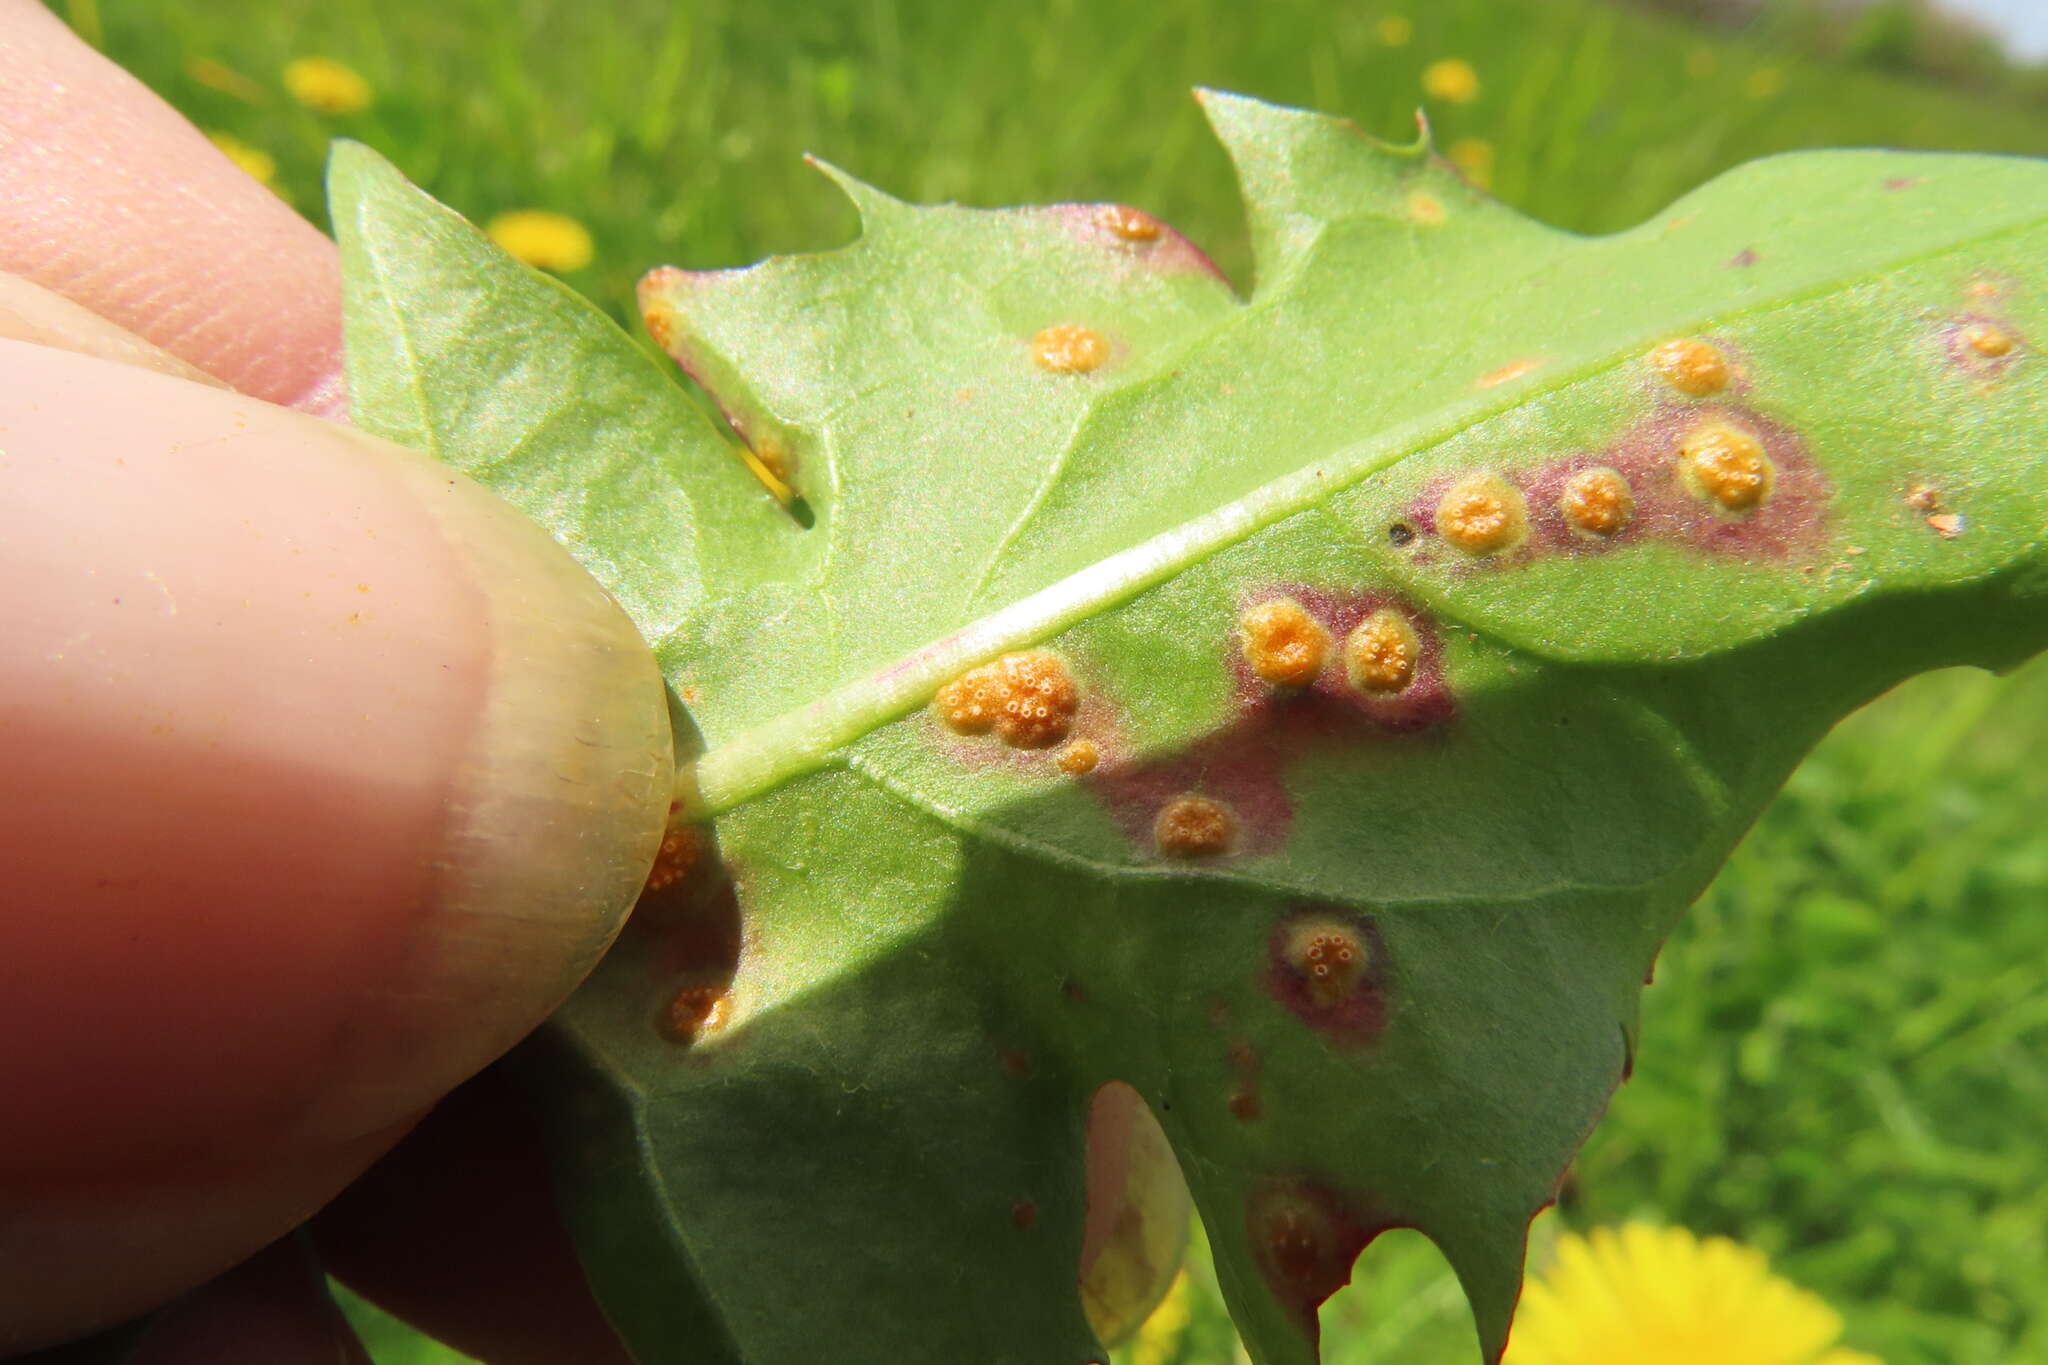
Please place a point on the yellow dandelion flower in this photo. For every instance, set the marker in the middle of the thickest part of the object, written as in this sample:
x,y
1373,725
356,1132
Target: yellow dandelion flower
x,y
1395,30
1640,1293
1451,79
1764,82
254,161
1159,1335
326,86
548,241
1474,156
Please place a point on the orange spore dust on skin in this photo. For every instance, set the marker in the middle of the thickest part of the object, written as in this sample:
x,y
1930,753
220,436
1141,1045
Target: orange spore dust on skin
x,y
1329,957
1727,466
673,860
1283,643
696,1011
1028,699
1482,514
1079,757
1597,502
1694,367
1067,348
1509,372
1132,225
1987,340
1381,653
1194,827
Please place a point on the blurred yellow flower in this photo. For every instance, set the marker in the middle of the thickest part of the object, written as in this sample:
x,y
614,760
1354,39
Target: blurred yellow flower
x,y
254,161
326,86
1159,1336
1764,82
549,241
1640,1294
1451,79
1395,30
1474,156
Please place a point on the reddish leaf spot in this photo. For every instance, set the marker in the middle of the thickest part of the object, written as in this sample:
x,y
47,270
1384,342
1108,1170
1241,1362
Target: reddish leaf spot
x,y
1305,1238
1329,969
1024,1213
1242,767
1017,1064
1744,258
1901,182
1982,345
1244,1105
1135,236
1667,500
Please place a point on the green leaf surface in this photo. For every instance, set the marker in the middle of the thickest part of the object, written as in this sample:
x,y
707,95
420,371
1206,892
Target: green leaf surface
x,y
924,952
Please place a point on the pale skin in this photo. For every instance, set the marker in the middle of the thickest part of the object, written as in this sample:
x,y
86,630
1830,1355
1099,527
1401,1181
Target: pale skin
x,y
325,777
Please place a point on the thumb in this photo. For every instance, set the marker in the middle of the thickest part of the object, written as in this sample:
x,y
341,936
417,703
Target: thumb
x,y
324,776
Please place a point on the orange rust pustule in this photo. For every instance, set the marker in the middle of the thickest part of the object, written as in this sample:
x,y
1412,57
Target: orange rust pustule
x,y
1328,968
1482,514
1695,368
1194,827
1305,1238
1382,653
1068,348
695,1011
673,860
1283,643
1129,224
1981,345
1727,466
1079,758
1028,699
1597,502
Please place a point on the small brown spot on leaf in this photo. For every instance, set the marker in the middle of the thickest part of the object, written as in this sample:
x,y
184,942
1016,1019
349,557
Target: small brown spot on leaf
x,y
1426,209
1283,643
1244,1105
1194,827
1948,525
1079,757
1024,1213
1132,225
1305,1239
1744,259
1029,699
1597,502
1381,653
1694,367
1727,466
1901,182
1066,348
1482,514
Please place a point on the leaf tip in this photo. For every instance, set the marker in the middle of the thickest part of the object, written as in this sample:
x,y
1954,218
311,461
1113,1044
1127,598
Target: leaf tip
x,y
871,203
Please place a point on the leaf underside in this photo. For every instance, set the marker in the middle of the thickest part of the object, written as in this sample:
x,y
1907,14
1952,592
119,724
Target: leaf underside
x,y
915,955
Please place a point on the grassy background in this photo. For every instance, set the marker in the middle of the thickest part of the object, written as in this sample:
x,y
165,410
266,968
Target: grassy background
x,y
1846,1053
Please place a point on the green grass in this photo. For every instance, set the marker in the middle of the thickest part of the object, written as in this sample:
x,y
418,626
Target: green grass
x,y
1845,1058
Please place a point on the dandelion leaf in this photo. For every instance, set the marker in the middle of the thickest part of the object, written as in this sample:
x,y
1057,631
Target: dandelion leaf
x,y
1310,708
